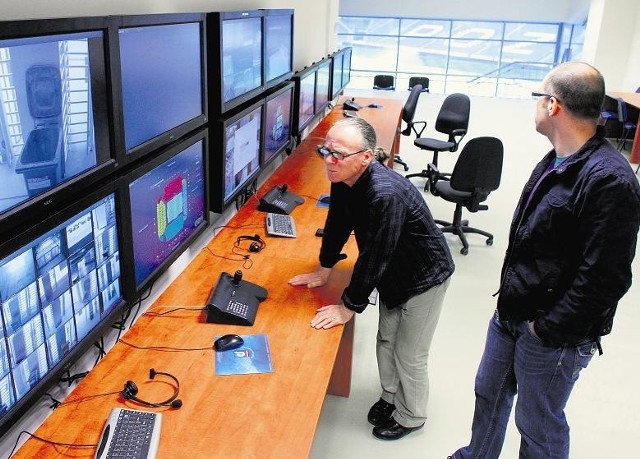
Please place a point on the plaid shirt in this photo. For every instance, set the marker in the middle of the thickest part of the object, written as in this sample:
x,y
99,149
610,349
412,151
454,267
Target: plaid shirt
x,y
402,252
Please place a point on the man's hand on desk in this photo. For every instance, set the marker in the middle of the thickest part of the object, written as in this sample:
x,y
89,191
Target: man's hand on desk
x,y
311,280
331,315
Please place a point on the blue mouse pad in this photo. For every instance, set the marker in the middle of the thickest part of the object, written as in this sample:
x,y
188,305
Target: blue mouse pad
x,y
252,357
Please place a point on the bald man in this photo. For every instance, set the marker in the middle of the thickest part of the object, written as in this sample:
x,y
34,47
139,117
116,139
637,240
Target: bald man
x,y
568,263
402,253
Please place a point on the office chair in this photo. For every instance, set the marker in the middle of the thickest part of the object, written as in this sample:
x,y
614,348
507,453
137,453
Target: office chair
x,y
627,126
423,81
453,120
385,82
476,174
408,112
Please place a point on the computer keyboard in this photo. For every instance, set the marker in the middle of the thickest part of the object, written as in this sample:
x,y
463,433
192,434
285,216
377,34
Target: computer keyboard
x,y
130,434
280,225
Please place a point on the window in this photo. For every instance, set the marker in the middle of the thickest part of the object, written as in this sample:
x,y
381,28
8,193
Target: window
x,y
489,58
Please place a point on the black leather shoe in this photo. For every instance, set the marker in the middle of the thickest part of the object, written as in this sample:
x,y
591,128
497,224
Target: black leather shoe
x,y
380,412
391,430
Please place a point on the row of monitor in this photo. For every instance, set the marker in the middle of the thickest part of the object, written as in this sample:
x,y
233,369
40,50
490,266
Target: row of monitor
x,y
149,119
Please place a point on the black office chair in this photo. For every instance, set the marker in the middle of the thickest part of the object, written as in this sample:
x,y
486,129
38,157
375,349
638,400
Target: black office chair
x,y
453,120
627,126
422,81
476,174
408,113
385,82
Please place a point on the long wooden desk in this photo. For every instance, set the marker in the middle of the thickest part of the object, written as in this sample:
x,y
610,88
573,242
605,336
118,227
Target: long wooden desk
x,y
632,98
246,416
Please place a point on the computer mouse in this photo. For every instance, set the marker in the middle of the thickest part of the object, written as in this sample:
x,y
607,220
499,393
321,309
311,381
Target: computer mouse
x,y
374,105
325,199
228,342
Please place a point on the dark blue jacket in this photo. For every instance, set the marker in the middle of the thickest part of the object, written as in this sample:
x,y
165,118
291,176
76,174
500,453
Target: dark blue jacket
x,y
572,241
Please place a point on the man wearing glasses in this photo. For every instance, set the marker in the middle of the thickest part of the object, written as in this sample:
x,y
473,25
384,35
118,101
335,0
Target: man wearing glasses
x,y
402,253
568,263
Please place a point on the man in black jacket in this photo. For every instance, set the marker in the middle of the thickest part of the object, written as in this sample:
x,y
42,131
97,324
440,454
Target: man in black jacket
x,y
568,263
402,253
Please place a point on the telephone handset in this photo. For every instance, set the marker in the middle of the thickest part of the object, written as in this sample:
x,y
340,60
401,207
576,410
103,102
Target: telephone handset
x,y
234,301
279,201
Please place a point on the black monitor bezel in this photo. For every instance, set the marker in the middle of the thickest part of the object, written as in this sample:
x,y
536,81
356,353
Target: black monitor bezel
x,y
19,240
132,290
288,86
346,66
167,137
215,44
217,166
56,198
326,62
287,75
298,127
336,86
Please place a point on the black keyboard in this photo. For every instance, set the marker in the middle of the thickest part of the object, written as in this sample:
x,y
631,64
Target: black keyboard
x,y
130,434
280,225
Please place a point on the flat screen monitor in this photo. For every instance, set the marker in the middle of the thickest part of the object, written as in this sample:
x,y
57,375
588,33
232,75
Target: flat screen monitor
x,y
278,45
235,162
323,81
165,203
161,68
234,46
305,81
346,67
60,288
277,122
336,74
55,128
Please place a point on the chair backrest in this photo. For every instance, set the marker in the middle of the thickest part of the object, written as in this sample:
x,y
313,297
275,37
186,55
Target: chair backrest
x,y
622,110
409,111
423,81
454,114
383,82
479,166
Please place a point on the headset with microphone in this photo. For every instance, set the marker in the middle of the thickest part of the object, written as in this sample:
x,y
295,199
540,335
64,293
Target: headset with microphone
x,y
256,245
130,392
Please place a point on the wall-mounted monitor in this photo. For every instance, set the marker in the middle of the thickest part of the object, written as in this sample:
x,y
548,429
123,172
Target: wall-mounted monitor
x,y
55,128
160,90
336,74
60,288
346,67
235,156
277,133
304,99
235,63
323,85
278,46
165,204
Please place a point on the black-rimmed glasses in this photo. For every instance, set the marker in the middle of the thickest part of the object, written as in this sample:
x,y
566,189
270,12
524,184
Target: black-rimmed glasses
x,y
324,152
542,94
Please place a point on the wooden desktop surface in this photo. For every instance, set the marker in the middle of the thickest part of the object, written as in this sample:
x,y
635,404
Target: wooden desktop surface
x,y
248,416
632,98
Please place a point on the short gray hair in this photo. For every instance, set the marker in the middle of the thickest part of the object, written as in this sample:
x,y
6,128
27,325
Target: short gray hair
x,y
369,139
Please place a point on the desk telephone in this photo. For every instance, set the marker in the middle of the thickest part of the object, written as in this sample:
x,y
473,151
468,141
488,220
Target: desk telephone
x,y
279,201
234,301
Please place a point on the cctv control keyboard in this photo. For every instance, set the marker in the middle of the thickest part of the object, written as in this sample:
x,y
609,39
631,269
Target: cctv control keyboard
x,y
130,434
280,225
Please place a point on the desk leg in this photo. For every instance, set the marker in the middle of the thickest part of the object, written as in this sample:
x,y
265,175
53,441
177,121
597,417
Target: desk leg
x,y
635,148
340,382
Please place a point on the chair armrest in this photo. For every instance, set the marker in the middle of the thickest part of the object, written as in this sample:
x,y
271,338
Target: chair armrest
x,y
419,133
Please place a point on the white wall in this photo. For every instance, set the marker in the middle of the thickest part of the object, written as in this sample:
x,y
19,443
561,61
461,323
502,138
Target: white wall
x,y
514,10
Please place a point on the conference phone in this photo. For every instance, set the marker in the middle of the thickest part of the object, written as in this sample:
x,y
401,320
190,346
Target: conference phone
x,y
279,201
234,301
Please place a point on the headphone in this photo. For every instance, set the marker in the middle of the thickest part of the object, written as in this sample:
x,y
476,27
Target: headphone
x,y
256,245
131,390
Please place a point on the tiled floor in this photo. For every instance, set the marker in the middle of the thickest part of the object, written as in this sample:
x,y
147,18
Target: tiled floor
x,y
603,410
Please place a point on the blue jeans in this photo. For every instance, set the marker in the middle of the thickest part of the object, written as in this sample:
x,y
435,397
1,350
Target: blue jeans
x,y
516,361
